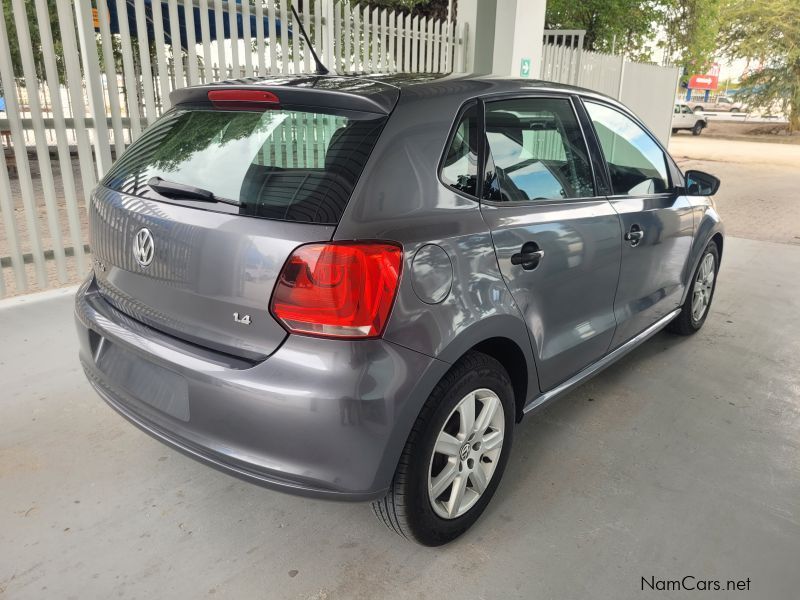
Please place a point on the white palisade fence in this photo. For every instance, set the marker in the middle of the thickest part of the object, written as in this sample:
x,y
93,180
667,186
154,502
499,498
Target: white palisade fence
x,y
67,117
375,40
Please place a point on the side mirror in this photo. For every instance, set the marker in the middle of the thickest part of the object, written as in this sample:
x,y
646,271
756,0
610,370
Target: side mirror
x,y
699,183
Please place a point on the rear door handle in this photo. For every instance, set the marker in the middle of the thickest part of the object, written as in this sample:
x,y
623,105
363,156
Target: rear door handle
x,y
529,257
635,235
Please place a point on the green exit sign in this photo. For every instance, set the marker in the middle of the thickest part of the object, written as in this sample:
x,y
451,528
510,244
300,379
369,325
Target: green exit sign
x,y
525,67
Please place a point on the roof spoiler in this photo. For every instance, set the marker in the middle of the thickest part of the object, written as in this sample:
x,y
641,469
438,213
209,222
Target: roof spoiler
x,y
300,91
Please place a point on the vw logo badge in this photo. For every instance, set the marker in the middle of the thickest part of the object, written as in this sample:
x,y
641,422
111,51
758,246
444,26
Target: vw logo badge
x,y
464,454
143,247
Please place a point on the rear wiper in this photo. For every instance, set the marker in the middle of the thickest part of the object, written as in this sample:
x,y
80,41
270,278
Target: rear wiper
x,y
181,191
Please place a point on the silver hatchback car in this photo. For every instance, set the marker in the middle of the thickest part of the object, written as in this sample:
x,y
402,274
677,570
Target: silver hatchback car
x,y
353,288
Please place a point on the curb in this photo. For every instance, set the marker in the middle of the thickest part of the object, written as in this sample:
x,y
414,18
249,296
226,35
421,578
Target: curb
x,y
36,297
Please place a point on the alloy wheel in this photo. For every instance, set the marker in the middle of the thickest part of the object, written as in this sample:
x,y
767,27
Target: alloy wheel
x,y
703,286
466,453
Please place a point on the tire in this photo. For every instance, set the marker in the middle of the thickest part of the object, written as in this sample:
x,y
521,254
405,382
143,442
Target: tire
x,y
698,128
407,508
688,322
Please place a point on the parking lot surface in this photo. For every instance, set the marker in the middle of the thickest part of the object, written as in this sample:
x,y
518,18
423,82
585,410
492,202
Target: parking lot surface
x,y
680,460
760,194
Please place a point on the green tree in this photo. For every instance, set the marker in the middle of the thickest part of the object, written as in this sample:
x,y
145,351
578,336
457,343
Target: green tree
x,y
436,9
692,30
33,25
767,33
622,25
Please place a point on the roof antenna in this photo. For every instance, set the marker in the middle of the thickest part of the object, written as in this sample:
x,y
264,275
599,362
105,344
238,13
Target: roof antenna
x,y
321,69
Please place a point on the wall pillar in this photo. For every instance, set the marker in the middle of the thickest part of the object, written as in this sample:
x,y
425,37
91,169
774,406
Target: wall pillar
x,y
505,36
479,15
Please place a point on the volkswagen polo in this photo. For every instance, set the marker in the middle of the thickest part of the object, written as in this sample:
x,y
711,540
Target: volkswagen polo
x,y
354,288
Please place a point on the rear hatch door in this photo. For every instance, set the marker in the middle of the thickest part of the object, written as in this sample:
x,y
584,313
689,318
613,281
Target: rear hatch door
x,y
192,225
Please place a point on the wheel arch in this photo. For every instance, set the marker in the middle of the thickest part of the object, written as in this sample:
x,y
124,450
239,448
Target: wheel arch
x,y
718,239
502,336
710,229
506,339
509,354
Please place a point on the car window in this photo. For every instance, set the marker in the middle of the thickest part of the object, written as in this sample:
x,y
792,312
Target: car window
x,y
277,164
677,109
636,163
686,110
460,168
537,151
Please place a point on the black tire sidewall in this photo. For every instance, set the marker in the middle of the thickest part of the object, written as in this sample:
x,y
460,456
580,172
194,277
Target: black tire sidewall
x,y
429,528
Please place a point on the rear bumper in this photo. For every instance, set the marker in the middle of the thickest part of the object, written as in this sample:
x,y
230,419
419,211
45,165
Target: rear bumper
x,y
321,418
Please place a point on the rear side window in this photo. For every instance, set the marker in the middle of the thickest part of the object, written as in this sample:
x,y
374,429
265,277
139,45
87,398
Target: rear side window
x,y
538,151
277,164
636,163
460,168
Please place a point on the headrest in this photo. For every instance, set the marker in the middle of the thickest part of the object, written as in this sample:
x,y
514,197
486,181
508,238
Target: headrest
x,y
347,146
506,123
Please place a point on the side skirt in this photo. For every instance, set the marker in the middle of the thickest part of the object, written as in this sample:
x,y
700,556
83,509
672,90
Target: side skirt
x,y
594,368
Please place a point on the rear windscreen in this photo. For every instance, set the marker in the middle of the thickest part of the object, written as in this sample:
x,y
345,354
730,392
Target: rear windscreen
x,y
277,164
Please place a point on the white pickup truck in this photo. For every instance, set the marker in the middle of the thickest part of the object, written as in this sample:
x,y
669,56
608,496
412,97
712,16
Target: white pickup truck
x,y
721,104
684,117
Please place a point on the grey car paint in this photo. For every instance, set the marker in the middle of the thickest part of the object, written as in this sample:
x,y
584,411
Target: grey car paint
x,y
215,264
568,299
318,417
329,417
651,277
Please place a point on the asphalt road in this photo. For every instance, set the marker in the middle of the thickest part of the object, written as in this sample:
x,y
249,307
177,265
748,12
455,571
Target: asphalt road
x,y
680,460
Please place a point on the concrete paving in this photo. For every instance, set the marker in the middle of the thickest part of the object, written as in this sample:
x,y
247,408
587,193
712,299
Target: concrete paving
x,y
762,204
759,197
682,459
742,152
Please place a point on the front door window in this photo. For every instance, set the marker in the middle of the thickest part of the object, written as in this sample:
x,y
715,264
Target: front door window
x,y
636,163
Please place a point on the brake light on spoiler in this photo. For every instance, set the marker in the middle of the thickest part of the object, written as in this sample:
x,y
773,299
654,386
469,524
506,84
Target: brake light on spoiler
x,y
243,99
338,289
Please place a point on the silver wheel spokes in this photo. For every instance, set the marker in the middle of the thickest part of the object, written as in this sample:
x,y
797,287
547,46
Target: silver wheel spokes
x,y
703,285
466,453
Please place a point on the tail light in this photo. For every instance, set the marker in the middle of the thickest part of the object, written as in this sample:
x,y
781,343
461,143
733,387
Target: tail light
x,y
343,290
251,100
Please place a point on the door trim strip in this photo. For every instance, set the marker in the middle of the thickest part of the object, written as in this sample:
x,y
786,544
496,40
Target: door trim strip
x,y
594,368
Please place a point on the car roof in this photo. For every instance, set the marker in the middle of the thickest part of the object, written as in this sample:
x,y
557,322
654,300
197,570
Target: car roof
x,y
379,92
